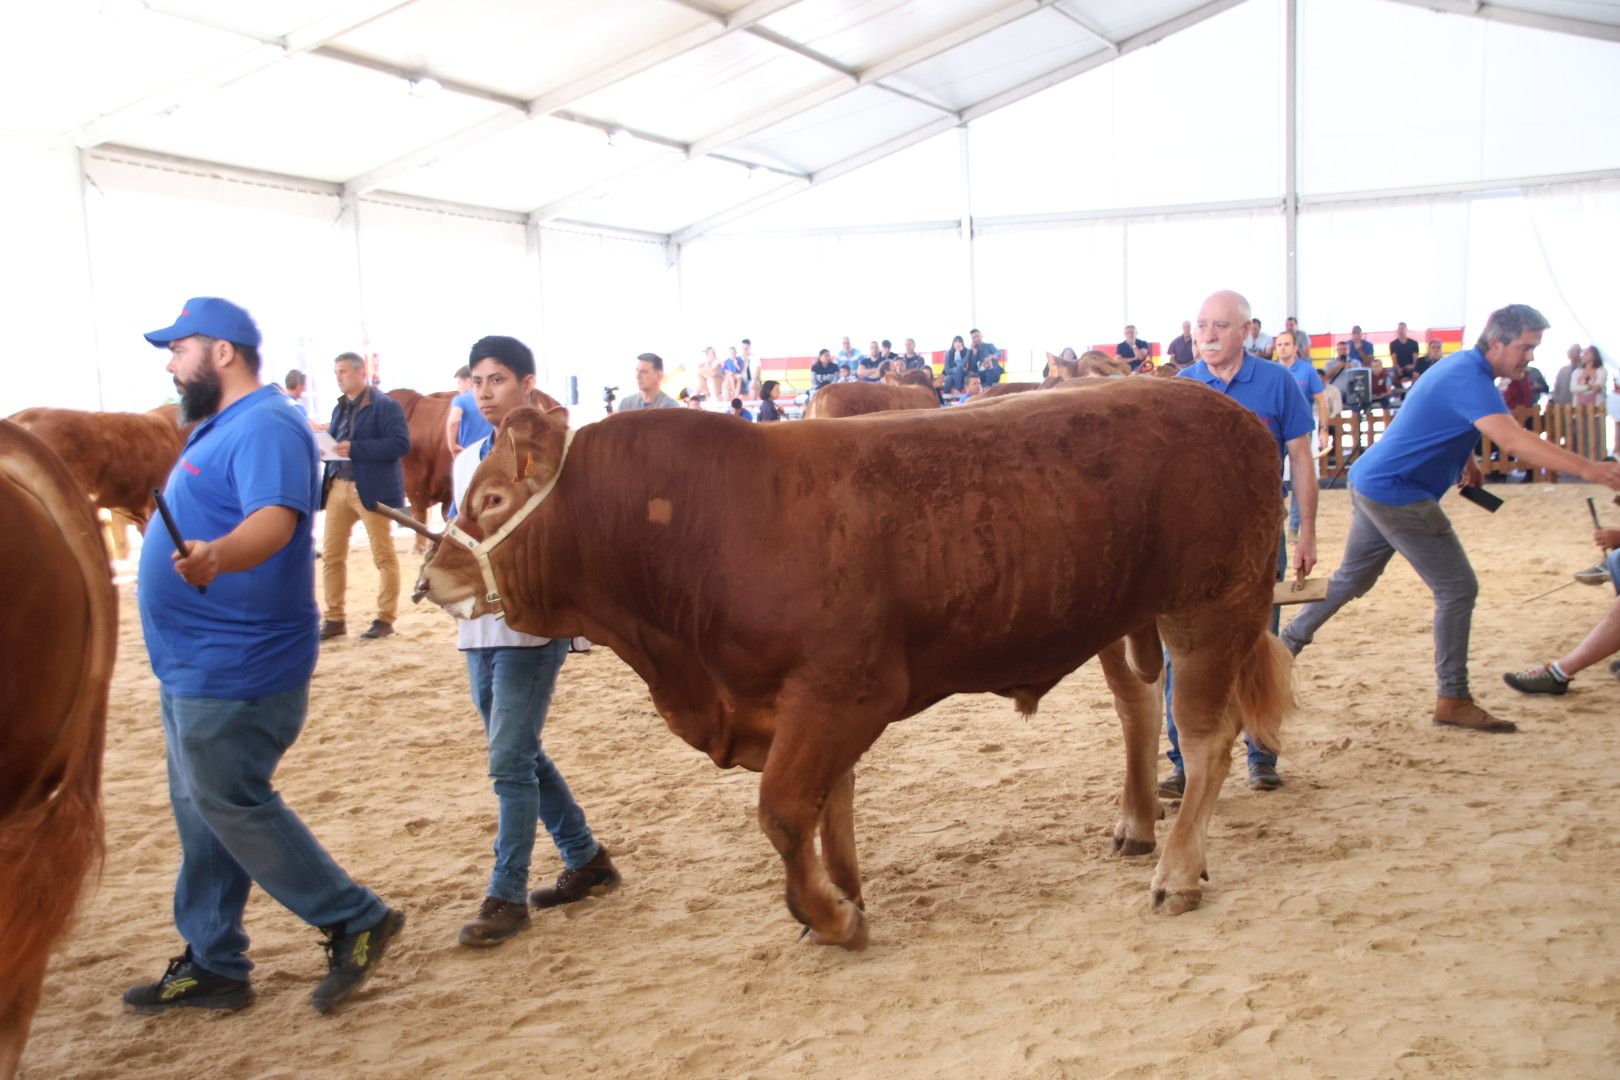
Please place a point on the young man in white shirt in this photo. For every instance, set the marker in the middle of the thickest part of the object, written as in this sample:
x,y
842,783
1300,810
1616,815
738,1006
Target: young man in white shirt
x,y
512,676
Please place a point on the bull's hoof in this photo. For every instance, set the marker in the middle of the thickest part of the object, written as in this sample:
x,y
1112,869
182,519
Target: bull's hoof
x,y
1125,846
855,942
1176,901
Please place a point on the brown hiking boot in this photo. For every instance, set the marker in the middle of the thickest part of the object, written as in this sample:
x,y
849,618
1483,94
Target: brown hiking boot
x,y
1463,713
497,920
572,885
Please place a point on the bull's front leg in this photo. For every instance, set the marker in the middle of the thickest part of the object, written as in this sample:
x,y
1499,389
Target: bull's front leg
x,y
800,776
838,839
1140,706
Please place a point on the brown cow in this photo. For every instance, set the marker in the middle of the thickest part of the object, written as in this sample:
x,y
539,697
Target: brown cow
x,y
427,466
58,634
1002,389
860,398
912,557
117,458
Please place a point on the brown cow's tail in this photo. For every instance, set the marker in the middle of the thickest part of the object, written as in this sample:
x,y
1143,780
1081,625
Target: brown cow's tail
x,y
1265,690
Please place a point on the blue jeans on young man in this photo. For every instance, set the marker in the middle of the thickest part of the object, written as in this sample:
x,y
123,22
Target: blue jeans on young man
x,y
1257,755
1612,561
512,689
235,829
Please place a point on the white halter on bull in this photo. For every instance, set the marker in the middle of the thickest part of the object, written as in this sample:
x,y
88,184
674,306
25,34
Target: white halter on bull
x,y
480,549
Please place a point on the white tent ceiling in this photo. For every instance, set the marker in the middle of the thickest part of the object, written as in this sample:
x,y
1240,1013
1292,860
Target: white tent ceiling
x,y
661,116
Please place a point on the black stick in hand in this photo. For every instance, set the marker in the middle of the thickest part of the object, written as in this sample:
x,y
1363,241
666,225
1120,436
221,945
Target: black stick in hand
x,y
174,530
1592,506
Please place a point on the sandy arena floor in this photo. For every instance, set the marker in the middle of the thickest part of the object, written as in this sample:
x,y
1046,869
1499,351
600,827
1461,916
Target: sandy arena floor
x,y
1415,902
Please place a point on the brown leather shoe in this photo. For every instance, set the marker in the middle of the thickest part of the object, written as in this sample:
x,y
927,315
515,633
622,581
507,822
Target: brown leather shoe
x,y
572,885
1463,713
497,920
332,628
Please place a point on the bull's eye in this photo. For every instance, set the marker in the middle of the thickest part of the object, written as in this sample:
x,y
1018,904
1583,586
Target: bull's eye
x,y
492,501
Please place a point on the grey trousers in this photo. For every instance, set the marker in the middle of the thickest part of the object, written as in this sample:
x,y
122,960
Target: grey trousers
x,y
1423,535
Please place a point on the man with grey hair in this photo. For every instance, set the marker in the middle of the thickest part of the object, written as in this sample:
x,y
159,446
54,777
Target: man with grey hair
x,y
372,437
1270,392
1396,486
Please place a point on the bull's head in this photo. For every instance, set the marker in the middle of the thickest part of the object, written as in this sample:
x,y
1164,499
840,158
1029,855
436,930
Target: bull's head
x,y
521,470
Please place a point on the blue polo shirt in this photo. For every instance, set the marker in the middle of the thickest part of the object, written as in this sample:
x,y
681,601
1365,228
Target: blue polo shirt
x,y
255,632
1425,447
1266,390
1306,375
473,425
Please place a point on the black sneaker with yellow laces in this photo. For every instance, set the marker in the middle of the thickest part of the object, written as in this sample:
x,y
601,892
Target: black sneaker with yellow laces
x,y
186,986
351,958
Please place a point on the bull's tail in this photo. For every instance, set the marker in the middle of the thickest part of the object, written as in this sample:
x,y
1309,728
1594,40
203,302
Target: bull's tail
x,y
1265,690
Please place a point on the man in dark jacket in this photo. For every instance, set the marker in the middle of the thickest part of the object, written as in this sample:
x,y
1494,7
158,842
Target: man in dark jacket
x,y
371,435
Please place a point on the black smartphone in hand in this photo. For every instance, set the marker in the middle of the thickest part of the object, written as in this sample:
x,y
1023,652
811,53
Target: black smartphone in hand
x,y
1482,498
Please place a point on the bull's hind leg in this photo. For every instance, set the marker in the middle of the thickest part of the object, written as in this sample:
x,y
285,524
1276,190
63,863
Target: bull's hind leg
x,y
800,779
1140,706
1208,722
838,838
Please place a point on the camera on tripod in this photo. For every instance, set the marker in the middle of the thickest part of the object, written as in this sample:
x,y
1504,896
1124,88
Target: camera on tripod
x,y
608,394
1358,389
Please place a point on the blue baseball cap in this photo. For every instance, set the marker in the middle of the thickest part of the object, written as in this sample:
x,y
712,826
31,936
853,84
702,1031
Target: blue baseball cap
x,y
211,317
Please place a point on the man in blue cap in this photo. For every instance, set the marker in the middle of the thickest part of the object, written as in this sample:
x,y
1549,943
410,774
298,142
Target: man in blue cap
x,y
230,625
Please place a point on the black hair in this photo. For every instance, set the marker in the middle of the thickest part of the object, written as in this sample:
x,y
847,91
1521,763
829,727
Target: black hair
x,y
652,358
295,379
248,353
887,344
508,351
768,391
736,403
747,342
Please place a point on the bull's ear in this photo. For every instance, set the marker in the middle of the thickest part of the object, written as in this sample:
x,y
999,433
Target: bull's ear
x,y
550,406
522,456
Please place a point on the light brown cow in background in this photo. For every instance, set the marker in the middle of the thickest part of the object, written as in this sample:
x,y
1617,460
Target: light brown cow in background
x,y
914,555
428,463
116,458
58,636
861,398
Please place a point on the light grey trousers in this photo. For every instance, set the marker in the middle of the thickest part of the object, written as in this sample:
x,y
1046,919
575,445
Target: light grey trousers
x,y
1423,535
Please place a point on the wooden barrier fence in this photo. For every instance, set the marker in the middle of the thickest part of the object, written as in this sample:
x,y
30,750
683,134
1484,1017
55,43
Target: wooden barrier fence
x,y
1580,429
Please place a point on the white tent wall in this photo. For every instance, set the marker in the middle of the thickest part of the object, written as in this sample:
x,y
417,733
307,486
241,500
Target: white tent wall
x,y
606,299
1558,250
161,234
792,295
434,282
1376,264
49,354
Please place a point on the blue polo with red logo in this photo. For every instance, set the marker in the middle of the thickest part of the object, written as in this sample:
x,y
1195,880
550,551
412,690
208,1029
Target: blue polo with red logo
x,y
255,632
1268,391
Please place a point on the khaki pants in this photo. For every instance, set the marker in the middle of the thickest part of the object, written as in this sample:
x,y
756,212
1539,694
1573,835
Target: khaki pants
x,y
343,508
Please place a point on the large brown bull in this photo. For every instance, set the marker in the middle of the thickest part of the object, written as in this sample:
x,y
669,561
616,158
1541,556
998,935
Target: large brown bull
x,y
116,458
861,398
427,466
912,556
58,634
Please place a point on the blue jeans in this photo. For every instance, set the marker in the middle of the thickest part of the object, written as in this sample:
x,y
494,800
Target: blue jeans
x,y
1612,561
1293,512
1257,756
235,829
1422,533
512,689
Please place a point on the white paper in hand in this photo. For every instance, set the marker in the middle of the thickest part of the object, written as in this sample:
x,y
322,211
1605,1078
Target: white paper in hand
x,y
328,447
